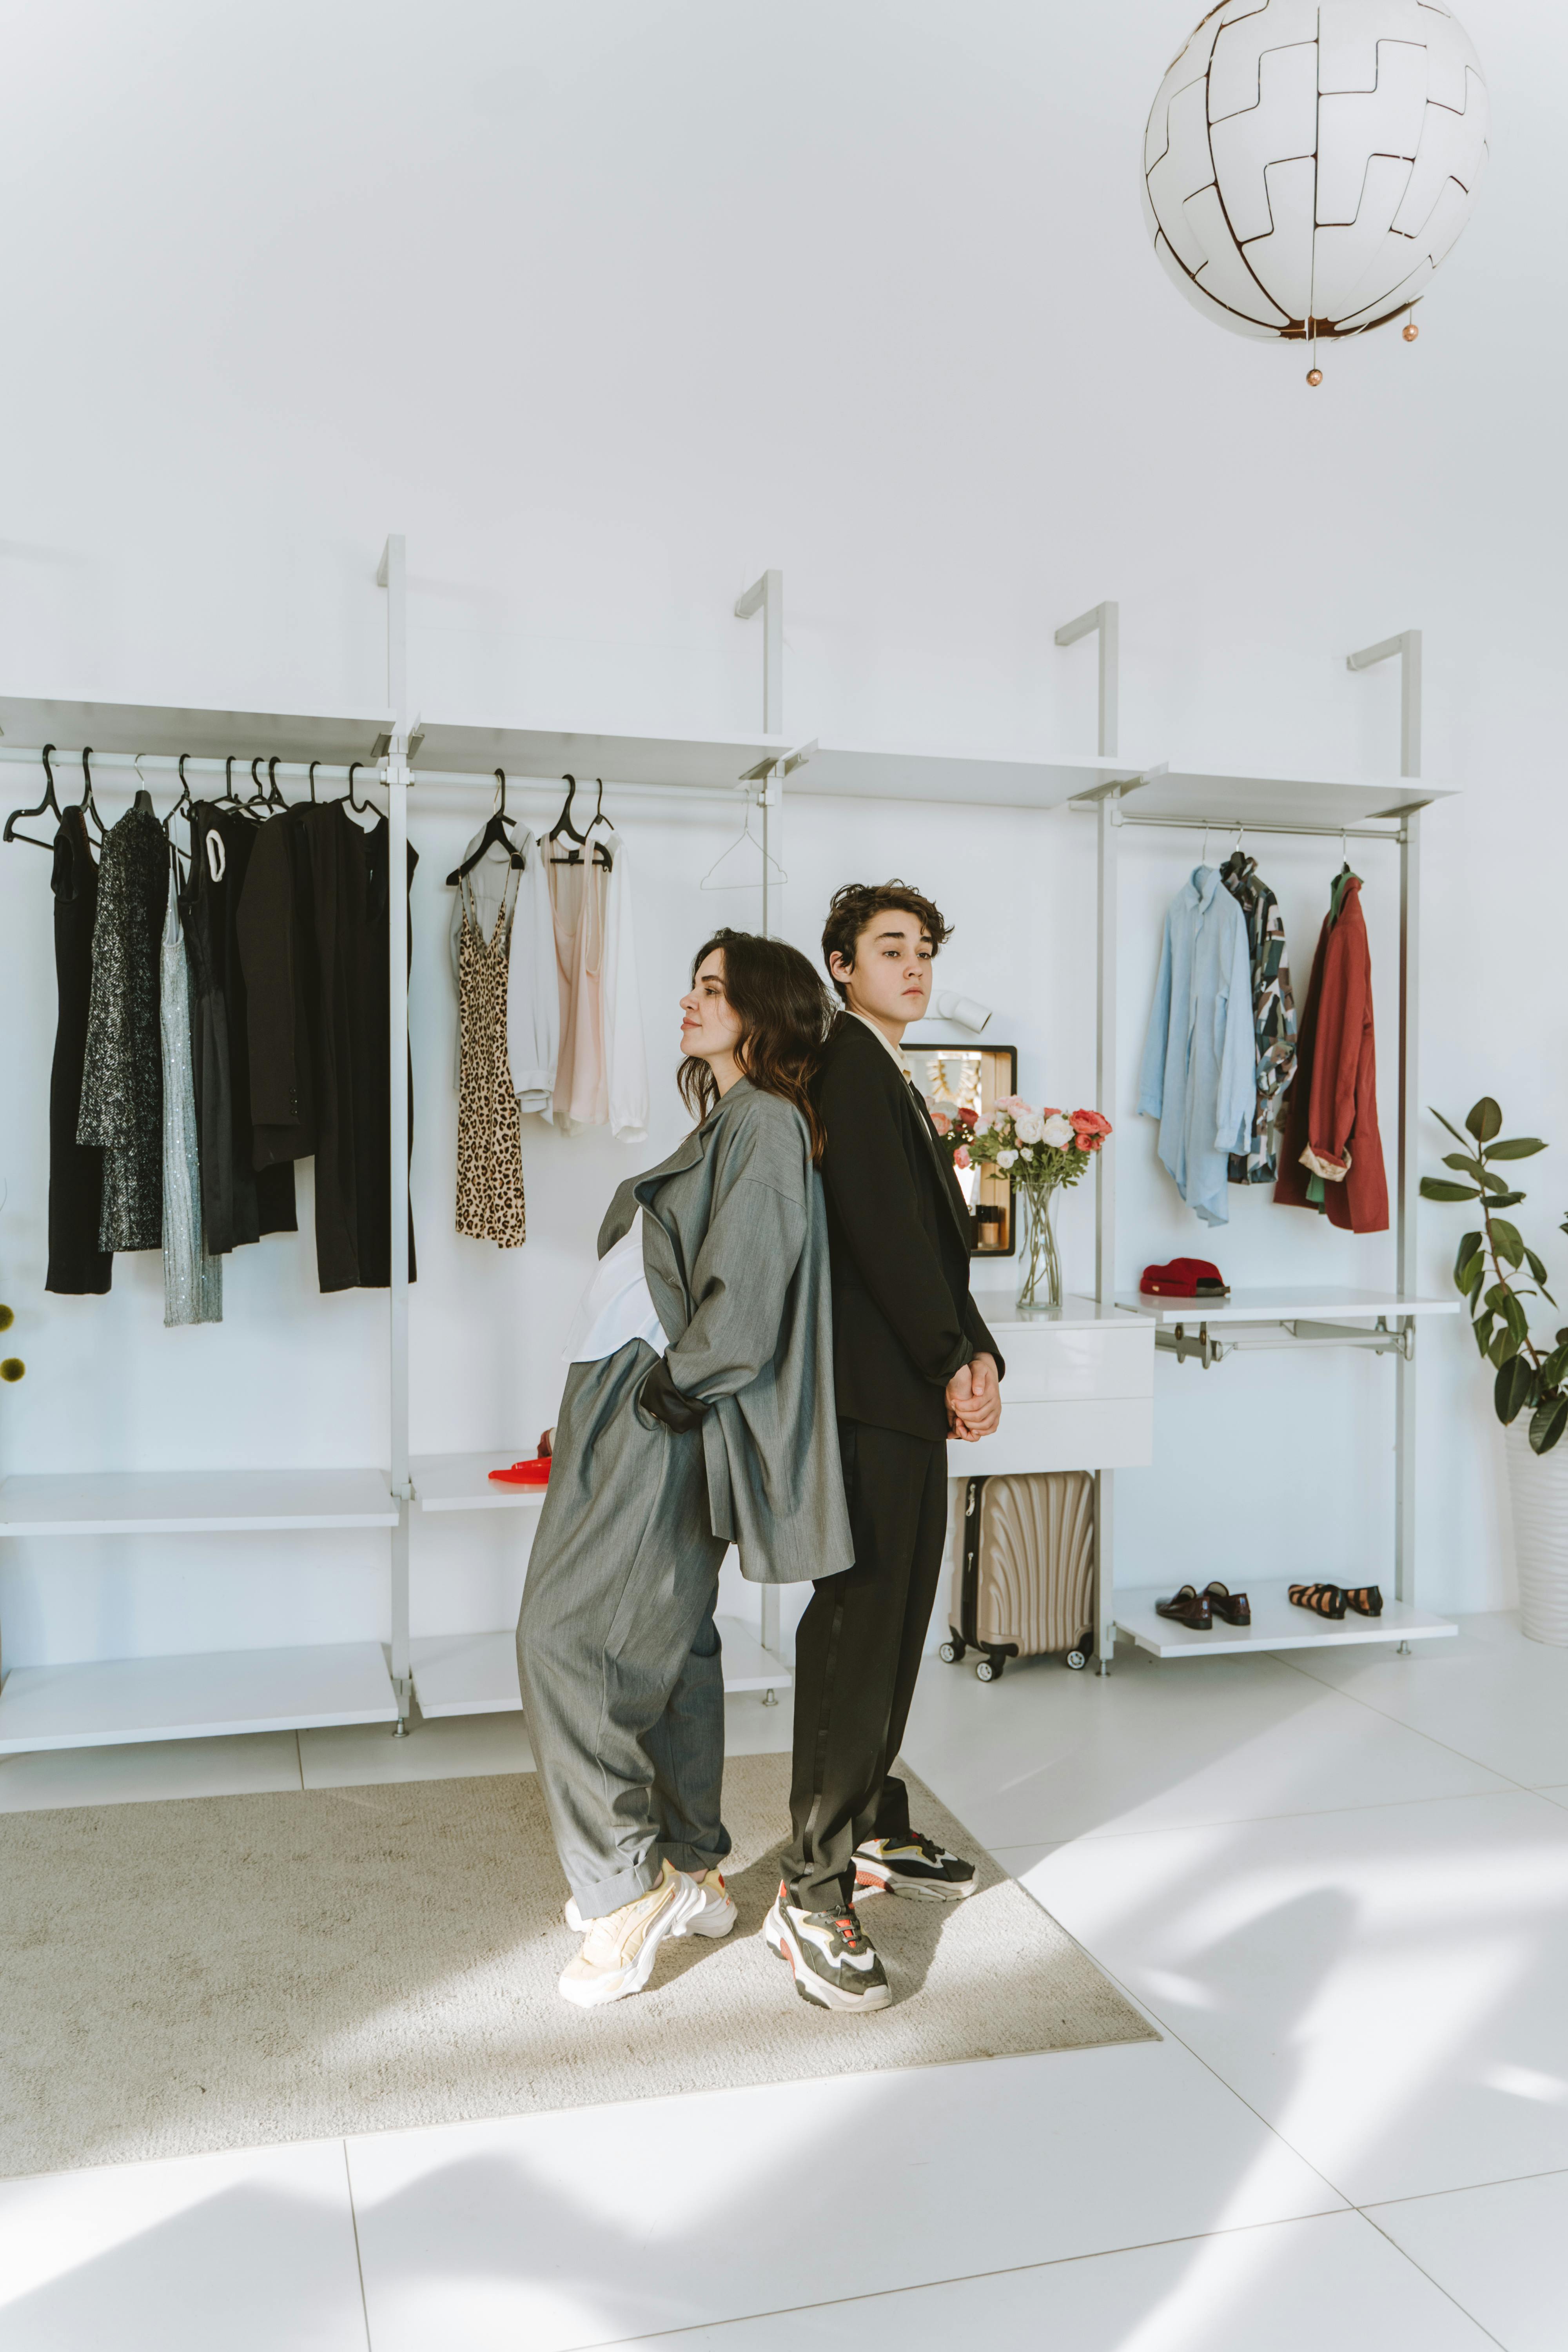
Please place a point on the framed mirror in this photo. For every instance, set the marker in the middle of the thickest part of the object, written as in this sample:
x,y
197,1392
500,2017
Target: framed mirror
x,y
973,1078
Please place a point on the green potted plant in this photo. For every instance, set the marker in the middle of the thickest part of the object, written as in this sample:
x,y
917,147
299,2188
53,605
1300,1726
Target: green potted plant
x,y
1530,1383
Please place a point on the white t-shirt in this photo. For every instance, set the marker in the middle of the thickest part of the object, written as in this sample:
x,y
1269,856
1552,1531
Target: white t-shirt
x,y
617,1306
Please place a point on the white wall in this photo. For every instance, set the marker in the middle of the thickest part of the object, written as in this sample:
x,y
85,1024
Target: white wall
x,y
607,306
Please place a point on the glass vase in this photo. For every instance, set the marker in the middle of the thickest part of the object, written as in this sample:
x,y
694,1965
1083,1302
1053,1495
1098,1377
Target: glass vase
x,y
1039,1263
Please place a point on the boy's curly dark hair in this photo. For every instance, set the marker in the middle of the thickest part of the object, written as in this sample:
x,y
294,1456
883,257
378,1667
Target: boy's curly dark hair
x,y
857,906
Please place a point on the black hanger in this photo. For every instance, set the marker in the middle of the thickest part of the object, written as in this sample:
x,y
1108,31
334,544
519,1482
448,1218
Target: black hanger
x,y
227,798
496,830
184,806
47,804
601,855
314,765
88,805
360,808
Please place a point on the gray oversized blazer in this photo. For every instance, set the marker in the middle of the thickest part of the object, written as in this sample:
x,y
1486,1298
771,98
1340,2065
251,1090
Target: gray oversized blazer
x,y
736,1250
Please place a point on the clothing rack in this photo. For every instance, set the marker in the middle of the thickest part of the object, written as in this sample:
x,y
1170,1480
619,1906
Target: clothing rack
x,y
108,1701
1330,1318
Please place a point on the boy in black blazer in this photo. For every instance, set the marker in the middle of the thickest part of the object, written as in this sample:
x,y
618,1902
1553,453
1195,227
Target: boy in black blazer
x,y
913,1366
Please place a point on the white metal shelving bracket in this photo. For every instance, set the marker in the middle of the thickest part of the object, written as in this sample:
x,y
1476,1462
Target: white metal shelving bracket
x,y
1406,647
767,594
1104,620
393,575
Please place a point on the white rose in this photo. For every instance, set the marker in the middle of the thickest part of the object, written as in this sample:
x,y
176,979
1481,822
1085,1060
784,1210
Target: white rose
x,y
1005,1159
1029,1126
1057,1133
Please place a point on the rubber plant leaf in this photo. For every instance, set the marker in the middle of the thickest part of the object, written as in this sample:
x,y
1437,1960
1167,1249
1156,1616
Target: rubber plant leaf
x,y
1512,1388
1437,1188
1547,1423
1507,1242
1484,1119
1518,1147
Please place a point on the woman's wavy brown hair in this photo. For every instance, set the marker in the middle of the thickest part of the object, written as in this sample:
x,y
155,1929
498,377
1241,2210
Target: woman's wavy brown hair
x,y
786,1013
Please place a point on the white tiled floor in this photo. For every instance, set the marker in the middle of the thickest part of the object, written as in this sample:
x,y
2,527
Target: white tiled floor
x,y
1336,1885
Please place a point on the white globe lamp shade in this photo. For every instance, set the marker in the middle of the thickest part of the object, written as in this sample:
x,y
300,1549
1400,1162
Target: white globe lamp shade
x,y
1309,162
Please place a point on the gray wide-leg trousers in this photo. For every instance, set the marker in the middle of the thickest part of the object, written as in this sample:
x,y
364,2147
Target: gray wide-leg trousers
x,y
617,1653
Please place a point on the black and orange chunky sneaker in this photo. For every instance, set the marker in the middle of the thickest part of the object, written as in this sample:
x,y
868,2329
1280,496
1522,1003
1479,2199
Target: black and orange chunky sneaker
x,y
912,1866
830,1956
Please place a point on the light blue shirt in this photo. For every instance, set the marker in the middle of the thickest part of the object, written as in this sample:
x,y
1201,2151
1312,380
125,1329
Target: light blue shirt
x,y
1200,1064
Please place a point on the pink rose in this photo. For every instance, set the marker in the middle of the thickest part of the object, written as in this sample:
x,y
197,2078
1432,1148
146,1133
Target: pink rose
x,y
961,1156
939,1119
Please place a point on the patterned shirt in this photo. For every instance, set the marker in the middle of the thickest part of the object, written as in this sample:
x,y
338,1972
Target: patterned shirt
x,y
1273,1018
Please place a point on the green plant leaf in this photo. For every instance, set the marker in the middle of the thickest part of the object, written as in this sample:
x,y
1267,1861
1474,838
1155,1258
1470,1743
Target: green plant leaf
x,y
1449,1123
1516,1318
1552,1370
1482,1327
1503,1201
1475,1275
1498,1296
1484,1119
1534,1264
1464,1160
1517,1147
1503,1345
1513,1387
1507,1242
1494,1183
1547,1423
1437,1188
1469,1244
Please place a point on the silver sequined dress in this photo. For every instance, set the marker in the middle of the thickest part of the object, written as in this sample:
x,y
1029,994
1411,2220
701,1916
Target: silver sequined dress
x,y
193,1282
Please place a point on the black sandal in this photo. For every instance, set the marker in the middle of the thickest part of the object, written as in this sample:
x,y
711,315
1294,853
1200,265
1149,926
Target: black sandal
x,y
1323,1600
1234,1607
1364,1599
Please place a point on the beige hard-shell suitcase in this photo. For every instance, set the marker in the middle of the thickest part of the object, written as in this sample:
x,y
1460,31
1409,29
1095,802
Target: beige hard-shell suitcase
x,y
1023,1580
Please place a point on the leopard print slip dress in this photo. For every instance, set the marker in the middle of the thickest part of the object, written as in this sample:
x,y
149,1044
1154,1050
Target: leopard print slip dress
x,y
489,1133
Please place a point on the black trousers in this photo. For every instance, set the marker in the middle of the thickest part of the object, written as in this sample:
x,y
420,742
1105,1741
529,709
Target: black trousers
x,y
856,1655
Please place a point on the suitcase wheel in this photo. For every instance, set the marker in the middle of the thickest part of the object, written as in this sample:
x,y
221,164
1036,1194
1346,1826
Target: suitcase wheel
x,y
951,1650
989,1670
1077,1656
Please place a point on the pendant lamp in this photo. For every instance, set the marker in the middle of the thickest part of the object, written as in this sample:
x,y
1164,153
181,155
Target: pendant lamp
x,y
1309,162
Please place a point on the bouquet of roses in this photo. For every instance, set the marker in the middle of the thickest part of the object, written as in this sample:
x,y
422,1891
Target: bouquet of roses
x,y
1041,1149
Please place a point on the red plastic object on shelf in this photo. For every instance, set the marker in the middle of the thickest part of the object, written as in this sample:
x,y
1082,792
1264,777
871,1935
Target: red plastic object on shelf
x,y
528,1474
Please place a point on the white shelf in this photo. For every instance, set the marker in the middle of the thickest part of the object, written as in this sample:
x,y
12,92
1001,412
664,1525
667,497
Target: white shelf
x,y
167,729
547,753
1276,1623
461,1482
1230,797
192,1502
862,771
1310,1303
476,1674
105,1702
1002,1312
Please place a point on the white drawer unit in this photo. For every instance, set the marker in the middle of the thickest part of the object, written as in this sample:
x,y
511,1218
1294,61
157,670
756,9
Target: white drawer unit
x,y
1079,1393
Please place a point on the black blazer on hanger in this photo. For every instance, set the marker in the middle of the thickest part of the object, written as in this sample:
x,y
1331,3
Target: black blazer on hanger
x,y
898,1232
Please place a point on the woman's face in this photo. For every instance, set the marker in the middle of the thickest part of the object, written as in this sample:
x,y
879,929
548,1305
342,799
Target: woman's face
x,y
711,1028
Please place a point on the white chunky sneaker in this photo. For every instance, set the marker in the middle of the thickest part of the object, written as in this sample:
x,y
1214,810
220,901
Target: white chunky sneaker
x,y
912,1866
619,1951
716,1918
830,1955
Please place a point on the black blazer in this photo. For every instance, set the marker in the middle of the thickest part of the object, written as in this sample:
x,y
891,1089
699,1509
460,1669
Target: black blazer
x,y
898,1237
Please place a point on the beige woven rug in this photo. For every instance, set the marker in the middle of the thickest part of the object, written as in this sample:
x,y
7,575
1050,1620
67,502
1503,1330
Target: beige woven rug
x,y
223,1971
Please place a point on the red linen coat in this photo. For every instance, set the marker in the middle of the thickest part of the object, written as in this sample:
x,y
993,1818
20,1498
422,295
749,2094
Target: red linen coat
x,y
1334,1101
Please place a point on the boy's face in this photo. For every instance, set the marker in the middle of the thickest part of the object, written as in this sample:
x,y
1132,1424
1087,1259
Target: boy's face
x,y
891,977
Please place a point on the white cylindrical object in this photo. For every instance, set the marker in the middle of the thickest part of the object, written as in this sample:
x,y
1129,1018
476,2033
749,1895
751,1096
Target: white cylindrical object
x,y
963,1010
1538,1488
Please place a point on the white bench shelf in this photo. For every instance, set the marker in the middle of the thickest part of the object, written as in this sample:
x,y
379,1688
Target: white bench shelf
x,y
1277,1623
103,1702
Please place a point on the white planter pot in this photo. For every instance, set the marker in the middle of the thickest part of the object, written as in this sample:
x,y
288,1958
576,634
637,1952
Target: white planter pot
x,y
1538,1486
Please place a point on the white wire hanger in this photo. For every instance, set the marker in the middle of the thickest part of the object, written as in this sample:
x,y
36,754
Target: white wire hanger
x,y
745,835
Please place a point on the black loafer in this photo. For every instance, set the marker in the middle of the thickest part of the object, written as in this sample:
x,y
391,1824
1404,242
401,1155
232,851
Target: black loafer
x,y
1188,1607
1234,1607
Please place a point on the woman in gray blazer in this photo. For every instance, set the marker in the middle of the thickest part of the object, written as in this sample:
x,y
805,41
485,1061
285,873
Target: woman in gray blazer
x,y
699,1412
